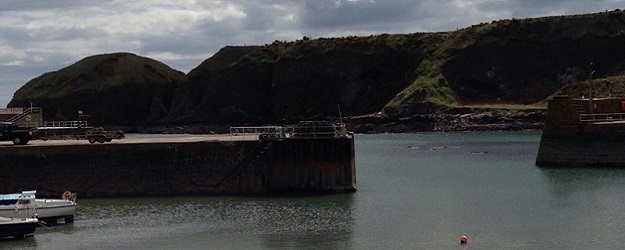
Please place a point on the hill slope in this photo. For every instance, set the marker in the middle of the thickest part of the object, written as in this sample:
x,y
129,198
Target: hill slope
x,y
119,88
508,61
396,76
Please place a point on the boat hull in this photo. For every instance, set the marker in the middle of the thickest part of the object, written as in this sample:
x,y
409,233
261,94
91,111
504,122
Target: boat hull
x,y
17,227
51,210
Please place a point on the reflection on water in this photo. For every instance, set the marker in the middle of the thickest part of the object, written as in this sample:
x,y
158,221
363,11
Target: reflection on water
x,y
567,181
166,223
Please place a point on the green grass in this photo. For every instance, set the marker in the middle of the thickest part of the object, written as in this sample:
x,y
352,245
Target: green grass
x,y
430,85
85,75
604,87
538,106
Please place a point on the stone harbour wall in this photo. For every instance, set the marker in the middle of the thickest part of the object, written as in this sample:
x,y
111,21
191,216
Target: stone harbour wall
x,y
188,168
567,141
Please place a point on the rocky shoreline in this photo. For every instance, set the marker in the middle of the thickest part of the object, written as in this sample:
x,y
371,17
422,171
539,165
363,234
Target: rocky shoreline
x,y
497,120
492,120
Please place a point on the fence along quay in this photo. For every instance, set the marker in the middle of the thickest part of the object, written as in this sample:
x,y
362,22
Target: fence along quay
x,y
310,157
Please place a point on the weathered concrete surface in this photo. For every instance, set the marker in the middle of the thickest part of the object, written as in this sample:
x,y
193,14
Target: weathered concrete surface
x,y
312,165
138,140
578,151
568,142
189,165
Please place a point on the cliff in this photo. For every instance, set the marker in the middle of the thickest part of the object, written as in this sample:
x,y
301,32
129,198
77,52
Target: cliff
x,y
118,88
420,77
306,79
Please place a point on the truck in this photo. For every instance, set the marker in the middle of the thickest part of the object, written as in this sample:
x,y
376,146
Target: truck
x,y
13,132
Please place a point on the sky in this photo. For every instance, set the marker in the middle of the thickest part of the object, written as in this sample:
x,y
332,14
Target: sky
x,y
39,36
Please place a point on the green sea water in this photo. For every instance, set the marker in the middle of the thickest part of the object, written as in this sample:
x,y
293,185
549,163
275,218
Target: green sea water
x,y
415,191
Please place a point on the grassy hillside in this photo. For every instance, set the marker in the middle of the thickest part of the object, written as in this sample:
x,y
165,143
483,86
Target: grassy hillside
x,y
505,64
515,63
118,88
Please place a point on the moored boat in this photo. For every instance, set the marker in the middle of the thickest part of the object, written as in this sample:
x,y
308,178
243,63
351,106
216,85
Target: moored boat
x,y
52,210
18,205
17,227
26,205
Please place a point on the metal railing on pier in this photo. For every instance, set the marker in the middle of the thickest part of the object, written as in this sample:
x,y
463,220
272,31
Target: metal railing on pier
x,y
254,132
65,124
302,130
602,118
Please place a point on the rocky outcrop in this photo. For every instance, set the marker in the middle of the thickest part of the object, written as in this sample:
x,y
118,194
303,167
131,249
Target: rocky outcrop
x,y
118,88
307,79
455,120
524,61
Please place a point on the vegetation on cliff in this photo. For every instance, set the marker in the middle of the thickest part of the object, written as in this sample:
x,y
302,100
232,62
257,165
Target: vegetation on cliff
x,y
605,87
119,88
503,64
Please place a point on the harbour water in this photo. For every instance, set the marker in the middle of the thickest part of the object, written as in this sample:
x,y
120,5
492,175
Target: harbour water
x,y
415,191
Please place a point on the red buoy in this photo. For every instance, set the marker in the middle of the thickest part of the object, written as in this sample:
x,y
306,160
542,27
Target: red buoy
x,y
464,239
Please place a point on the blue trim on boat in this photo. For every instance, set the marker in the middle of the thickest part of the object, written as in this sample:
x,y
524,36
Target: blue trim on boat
x,y
7,202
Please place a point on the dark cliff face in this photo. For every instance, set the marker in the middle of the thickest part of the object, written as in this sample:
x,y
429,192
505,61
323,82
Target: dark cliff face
x,y
306,79
359,75
525,61
117,88
193,100
509,61
398,76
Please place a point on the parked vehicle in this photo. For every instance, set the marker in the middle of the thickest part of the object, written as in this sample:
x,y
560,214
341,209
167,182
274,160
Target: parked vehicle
x,y
18,135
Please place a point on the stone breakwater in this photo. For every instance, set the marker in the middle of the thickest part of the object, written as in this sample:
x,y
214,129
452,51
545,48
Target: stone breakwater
x,y
576,136
180,167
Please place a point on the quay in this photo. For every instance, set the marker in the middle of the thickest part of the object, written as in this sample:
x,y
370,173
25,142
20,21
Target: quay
x,y
248,161
135,140
583,133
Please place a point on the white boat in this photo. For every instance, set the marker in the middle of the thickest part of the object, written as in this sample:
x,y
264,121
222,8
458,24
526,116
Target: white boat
x,y
18,205
26,205
51,210
17,227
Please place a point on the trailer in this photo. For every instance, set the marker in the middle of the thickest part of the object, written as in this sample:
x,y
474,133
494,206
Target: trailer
x,y
100,135
76,130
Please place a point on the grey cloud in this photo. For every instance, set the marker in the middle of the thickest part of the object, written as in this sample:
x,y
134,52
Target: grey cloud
x,y
21,38
353,14
539,8
259,17
14,36
14,77
30,5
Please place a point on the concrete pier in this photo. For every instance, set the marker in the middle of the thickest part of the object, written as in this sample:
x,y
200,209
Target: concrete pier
x,y
181,165
575,136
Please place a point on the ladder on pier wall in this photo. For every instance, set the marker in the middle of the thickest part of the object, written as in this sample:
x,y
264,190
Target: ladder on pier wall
x,y
577,105
247,164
